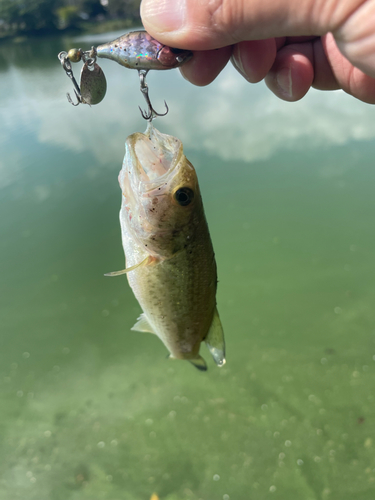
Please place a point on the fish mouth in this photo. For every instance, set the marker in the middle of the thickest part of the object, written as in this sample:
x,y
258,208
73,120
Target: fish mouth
x,y
155,156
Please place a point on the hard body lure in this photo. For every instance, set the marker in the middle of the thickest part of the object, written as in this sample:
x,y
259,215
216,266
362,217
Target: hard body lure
x,y
138,50
135,50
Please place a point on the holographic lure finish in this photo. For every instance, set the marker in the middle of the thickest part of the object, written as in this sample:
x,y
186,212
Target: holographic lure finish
x,y
138,50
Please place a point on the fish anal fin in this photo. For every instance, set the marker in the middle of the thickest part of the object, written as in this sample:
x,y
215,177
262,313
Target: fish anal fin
x,y
215,340
142,325
147,261
199,363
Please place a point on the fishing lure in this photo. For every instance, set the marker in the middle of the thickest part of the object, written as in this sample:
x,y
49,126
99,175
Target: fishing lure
x,y
135,50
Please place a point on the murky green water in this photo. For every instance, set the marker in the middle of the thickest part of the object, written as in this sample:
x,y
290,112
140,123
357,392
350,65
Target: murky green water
x,y
90,410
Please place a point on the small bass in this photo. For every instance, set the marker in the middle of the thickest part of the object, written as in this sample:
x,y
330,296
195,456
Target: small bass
x,y
169,255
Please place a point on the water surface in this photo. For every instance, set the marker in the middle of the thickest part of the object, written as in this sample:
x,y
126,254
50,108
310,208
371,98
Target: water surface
x,y
91,410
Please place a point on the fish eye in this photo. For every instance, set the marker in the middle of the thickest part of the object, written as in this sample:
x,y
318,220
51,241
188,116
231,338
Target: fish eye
x,y
184,196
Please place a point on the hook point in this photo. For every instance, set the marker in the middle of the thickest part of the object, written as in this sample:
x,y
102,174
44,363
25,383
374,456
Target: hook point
x,y
71,100
144,89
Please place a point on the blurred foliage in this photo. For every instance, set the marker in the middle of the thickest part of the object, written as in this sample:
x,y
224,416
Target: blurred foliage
x,y
124,8
20,17
68,15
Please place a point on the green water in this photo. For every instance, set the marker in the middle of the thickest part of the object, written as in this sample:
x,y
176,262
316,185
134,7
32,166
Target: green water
x,y
92,411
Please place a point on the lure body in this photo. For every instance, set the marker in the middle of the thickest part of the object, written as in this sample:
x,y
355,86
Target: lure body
x,y
138,50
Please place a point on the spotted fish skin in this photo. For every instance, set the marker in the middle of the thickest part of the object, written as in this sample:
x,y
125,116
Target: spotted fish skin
x,y
170,262
139,50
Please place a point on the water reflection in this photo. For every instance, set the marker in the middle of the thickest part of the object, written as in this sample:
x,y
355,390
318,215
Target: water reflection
x,y
91,410
252,123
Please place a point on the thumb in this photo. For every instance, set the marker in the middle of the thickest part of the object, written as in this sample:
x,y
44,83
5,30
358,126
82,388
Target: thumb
x,y
210,24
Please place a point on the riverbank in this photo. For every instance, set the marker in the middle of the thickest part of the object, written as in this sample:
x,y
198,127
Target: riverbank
x,y
83,28
110,25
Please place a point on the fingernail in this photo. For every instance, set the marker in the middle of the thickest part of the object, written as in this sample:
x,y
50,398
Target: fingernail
x,y
164,15
284,81
237,61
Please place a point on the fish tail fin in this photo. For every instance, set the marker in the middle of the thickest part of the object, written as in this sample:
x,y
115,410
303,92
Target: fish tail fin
x,y
199,363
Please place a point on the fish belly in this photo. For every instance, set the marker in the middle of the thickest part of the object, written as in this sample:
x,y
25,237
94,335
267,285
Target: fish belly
x,y
177,296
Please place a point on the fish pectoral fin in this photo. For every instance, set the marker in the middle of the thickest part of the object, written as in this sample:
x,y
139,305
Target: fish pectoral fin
x,y
215,340
142,325
148,260
199,363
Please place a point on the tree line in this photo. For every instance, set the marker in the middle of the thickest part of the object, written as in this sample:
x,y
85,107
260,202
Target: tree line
x,y
33,17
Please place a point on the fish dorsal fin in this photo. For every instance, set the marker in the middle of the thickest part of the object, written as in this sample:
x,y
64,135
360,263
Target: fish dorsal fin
x,y
199,363
148,260
142,325
215,340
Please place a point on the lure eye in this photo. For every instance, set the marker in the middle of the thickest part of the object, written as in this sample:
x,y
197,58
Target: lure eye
x,y
184,196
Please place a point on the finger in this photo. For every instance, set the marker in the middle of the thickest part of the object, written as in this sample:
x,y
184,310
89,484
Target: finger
x,y
290,40
289,78
355,37
280,42
324,78
204,25
351,79
292,74
204,67
254,59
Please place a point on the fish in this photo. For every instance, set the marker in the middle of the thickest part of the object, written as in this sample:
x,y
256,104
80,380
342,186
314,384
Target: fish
x,y
170,261
139,50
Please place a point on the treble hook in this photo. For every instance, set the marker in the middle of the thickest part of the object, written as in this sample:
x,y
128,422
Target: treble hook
x,y
144,89
63,57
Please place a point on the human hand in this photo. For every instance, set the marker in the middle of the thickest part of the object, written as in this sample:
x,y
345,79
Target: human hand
x,y
291,44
